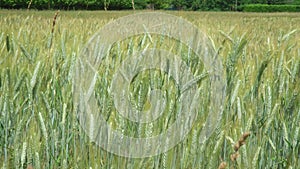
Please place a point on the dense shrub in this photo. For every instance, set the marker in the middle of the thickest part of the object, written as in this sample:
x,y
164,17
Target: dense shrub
x,y
270,8
207,5
71,4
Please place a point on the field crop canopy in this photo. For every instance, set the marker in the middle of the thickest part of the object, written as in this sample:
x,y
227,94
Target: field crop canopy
x,y
143,71
144,89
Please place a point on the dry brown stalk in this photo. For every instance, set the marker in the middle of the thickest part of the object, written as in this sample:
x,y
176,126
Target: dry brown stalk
x,y
54,21
52,31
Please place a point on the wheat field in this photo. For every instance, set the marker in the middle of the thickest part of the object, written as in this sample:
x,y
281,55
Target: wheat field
x,y
259,127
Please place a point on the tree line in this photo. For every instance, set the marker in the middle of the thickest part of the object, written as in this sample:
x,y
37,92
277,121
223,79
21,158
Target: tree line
x,y
216,5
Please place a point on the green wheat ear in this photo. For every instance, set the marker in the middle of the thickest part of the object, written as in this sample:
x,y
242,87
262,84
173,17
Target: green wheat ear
x,y
255,158
213,162
37,164
23,154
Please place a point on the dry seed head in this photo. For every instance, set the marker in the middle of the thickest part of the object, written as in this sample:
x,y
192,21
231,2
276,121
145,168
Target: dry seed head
x,y
234,156
241,141
246,135
236,146
222,165
30,167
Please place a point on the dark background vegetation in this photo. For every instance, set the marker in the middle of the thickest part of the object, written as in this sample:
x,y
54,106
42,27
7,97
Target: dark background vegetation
x,y
203,5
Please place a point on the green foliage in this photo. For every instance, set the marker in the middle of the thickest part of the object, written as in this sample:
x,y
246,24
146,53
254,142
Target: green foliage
x,y
159,4
179,4
270,8
296,2
140,4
